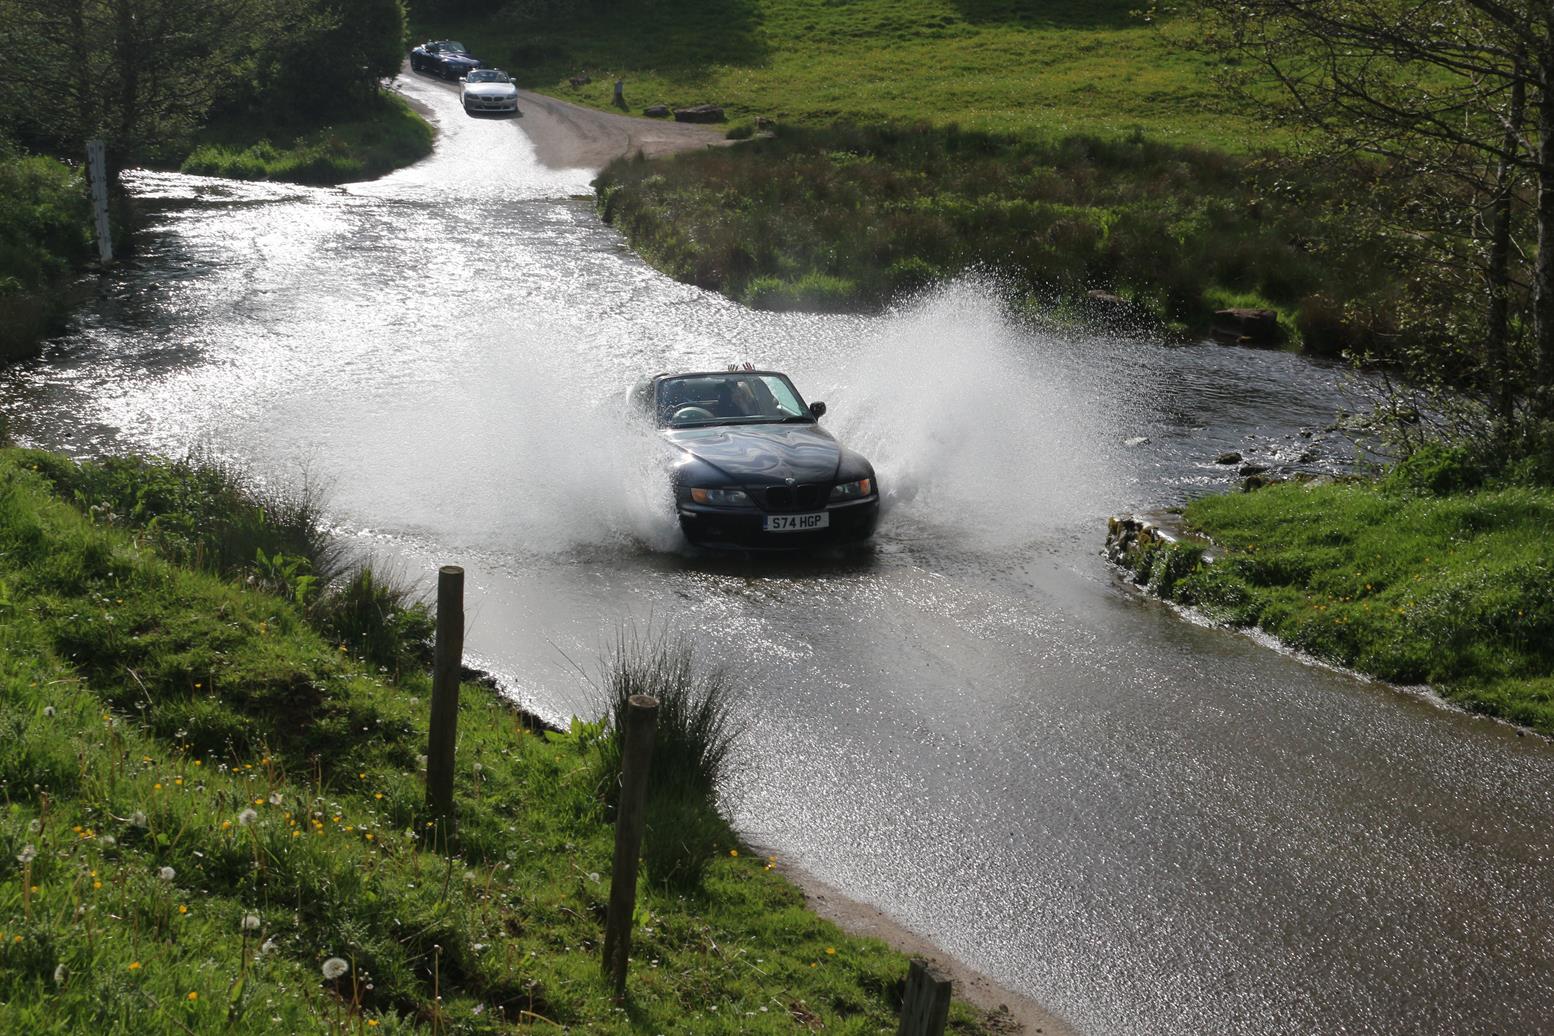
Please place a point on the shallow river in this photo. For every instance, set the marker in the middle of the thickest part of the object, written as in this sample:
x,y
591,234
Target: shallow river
x,y
1147,825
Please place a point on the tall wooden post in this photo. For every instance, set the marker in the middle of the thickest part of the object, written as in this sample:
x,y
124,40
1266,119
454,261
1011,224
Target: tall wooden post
x,y
97,176
447,660
630,818
925,1007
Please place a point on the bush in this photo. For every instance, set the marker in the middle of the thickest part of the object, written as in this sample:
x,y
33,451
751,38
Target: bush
x,y
1436,470
693,749
377,619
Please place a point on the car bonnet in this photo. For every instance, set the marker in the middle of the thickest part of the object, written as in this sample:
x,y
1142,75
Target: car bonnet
x,y
762,454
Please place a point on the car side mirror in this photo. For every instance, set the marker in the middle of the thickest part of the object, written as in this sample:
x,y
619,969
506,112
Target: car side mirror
x,y
817,410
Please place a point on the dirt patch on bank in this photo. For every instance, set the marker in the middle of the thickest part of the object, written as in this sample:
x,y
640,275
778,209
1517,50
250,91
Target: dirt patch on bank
x,y
1007,1011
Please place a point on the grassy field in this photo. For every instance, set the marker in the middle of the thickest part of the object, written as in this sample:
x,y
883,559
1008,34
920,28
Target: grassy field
x,y
388,136
1033,68
1399,579
213,820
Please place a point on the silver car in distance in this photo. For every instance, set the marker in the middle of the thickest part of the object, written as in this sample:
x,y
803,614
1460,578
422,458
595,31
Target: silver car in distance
x,y
489,90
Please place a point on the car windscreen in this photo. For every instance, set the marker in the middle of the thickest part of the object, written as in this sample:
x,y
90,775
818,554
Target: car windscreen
x,y
742,397
482,75
451,47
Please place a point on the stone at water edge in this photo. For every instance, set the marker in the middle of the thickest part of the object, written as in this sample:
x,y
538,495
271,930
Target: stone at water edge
x,y
1248,326
699,113
1228,457
1137,440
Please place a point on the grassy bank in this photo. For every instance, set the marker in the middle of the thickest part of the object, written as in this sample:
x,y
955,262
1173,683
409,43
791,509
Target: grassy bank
x,y
381,138
213,813
1412,579
1037,68
45,235
852,218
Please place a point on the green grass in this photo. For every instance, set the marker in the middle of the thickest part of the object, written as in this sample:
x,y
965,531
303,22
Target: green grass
x,y
1033,68
385,137
204,801
1454,590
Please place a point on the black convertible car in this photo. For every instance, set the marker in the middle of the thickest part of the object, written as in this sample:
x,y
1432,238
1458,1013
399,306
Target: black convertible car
x,y
756,471
446,58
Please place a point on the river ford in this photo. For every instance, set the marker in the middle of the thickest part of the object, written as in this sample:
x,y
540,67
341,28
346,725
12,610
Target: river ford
x,y
1148,825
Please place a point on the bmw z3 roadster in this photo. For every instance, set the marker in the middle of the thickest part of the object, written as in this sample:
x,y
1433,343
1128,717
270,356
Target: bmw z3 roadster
x,y
754,469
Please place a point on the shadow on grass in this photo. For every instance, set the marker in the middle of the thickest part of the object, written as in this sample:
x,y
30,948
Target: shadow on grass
x,y
681,42
1068,14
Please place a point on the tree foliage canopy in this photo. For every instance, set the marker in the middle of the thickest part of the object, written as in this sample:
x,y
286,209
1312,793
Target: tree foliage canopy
x,y
1454,101
145,74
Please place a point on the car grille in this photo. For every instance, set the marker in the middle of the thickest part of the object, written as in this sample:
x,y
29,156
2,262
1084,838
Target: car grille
x,y
807,496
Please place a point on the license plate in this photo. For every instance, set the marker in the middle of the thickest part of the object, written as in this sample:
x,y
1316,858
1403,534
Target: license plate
x,y
797,522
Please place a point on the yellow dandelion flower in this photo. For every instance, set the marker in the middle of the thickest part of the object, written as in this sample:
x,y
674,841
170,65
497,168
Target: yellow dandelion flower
x,y
830,951
156,787
733,852
134,965
193,996
182,909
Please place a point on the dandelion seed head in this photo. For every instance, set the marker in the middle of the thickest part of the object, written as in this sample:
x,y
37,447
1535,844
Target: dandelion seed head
x,y
27,855
334,967
138,819
48,710
250,922
276,798
248,816
60,974
166,873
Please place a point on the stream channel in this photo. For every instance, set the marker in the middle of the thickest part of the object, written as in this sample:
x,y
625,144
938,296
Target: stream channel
x,y
1147,825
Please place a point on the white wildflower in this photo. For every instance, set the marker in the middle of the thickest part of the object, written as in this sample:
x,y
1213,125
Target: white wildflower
x,y
268,947
276,798
334,967
166,873
60,974
27,855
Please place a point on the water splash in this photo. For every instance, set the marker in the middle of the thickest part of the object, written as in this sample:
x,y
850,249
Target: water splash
x,y
973,421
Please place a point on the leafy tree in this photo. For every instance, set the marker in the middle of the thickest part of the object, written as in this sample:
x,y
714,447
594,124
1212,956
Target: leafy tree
x,y
1455,98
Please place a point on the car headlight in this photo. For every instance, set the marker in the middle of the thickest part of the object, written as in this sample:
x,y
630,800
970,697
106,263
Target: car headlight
x,y
721,497
853,490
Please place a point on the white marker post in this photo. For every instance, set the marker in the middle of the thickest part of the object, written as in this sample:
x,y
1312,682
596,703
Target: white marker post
x,y
97,175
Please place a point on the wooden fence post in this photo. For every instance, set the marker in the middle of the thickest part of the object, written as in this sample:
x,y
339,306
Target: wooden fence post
x,y
447,660
925,1007
636,756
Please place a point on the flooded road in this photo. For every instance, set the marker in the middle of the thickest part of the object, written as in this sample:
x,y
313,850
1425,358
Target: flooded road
x,y
1148,826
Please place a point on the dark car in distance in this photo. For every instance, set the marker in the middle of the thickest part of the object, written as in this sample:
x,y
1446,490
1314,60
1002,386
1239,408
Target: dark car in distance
x,y
755,470
446,58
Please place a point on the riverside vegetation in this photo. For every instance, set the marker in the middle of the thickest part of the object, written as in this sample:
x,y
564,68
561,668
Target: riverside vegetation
x,y
1436,573
213,817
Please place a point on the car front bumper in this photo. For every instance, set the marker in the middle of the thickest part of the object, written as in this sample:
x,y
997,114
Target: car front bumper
x,y
742,529
491,104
